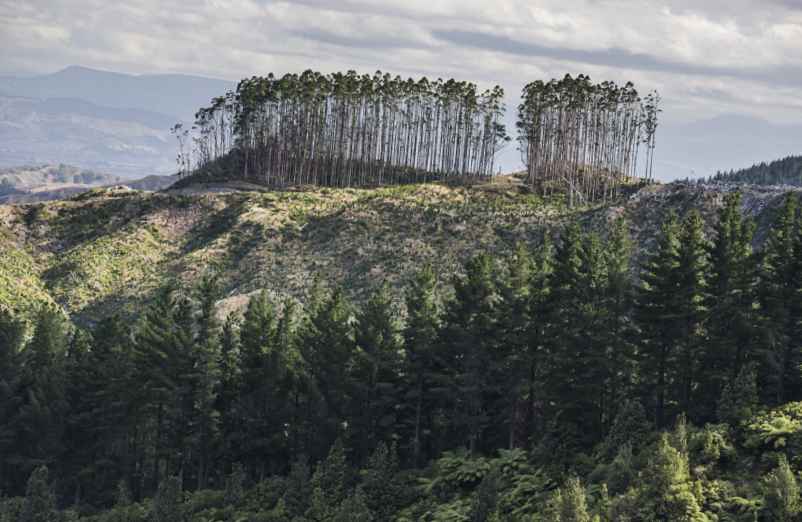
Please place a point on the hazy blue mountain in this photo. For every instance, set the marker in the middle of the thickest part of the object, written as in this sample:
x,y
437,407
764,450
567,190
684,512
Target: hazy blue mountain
x,y
98,119
126,142
172,94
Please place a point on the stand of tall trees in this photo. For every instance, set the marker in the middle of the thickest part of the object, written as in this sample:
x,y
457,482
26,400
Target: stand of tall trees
x,y
353,130
585,138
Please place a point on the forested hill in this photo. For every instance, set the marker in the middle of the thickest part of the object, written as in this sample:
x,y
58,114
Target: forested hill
x,y
786,171
525,361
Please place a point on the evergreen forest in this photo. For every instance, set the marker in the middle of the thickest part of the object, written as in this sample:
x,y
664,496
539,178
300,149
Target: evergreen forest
x,y
573,380
786,171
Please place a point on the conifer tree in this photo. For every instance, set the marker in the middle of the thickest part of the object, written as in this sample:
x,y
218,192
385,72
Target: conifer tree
x,y
355,509
469,342
378,336
168,505
164,343
384,493
329,353
11,341
332,477
731,328
657,317
515,308
420,337
691,306
779,299
40,419
40,501
265,377
739,399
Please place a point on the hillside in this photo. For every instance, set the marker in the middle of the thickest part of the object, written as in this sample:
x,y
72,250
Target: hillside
x,y
108,249
786,171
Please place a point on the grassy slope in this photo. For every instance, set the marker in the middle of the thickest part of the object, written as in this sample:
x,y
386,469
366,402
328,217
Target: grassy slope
x,y
106,251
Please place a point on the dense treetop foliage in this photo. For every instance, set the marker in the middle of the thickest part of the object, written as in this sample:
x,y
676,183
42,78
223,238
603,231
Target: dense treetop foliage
x,y
350,130
786,171
550,384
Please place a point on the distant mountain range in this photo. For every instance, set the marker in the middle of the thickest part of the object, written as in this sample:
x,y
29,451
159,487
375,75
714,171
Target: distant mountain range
x,y
175,96
120,123
99,120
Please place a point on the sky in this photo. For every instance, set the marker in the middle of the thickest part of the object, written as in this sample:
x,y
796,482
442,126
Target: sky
x,y
705,57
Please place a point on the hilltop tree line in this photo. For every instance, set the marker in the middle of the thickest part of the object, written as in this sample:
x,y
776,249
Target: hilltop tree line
x,y
786,171
486,402
352,130
586,138
347,129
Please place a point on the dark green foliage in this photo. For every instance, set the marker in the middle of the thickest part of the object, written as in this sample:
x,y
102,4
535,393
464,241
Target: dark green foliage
x,y
40,502
539,393
787,171
731,331
354,509
739,398
168,502
781,303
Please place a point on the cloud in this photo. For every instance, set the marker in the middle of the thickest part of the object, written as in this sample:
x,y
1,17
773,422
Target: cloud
x,y
705,57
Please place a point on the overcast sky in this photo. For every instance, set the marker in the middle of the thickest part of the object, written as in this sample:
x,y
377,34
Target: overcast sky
x,y
706,57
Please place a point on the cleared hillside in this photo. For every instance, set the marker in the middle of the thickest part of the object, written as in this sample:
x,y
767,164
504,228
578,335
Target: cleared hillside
x,y
108,249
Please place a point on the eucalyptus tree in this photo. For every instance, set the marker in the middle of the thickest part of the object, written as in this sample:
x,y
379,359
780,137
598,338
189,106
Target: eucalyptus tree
x,y
585,138
346,129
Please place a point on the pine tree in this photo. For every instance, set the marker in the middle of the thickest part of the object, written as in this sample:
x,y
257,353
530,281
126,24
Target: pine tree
x,y
691,306
40,501
420,336
732,297
264,374
298,492
779,298
383,490
468,338
514,316
576,361
657,317
330,356
739,399
39,421
11,341
355,509
205,417
331,479
168,503
618,333
164,344
378,336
